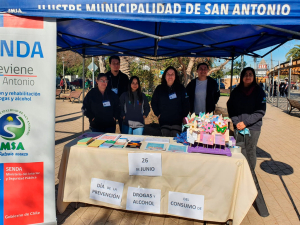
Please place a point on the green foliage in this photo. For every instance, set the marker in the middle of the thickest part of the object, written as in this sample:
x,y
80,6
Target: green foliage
x,y
237,65
149,97
76,69
293,52
217,74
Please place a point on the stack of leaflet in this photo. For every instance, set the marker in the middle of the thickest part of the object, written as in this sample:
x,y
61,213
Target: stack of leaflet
x,y
96,143
107,144
85,141
120,143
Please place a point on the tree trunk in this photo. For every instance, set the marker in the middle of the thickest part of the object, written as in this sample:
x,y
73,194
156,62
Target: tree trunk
x,y
102,67
183,70
124,67
218,67
189,70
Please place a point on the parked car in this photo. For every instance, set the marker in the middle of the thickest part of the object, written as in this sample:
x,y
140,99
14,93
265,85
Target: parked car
x,y
222,85
77,83
233,87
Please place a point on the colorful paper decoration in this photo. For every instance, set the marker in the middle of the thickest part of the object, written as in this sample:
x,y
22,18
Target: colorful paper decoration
x,y
208,139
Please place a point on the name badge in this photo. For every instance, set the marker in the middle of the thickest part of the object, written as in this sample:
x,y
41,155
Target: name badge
x,y
172,96
106,103
115,90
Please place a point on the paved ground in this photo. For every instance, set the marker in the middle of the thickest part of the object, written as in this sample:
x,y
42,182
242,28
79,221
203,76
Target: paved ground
x,y
278,171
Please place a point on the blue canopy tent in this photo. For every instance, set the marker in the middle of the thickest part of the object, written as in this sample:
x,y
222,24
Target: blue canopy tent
x,y
166,28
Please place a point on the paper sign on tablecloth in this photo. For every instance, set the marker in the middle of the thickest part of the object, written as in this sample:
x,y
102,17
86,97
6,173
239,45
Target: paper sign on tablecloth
x,y
145,164
186,205
143,199
106,191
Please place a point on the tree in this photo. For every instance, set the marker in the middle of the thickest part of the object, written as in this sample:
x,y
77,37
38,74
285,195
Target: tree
x,y
102,64
237,67
294,52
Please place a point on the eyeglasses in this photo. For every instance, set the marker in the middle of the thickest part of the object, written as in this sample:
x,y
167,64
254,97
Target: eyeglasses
x,y
103,81
248,75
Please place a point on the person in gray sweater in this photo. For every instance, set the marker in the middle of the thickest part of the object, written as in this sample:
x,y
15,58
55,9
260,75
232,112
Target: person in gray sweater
x,y
246,108
134,108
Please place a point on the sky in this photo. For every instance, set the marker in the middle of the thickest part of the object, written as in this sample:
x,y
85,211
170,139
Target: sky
x,y
277,55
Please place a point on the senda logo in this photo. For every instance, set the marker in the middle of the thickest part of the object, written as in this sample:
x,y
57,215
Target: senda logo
x,y
23,49
13,124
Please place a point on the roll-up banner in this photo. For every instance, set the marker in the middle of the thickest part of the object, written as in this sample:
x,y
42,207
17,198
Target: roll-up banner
x,y
27,120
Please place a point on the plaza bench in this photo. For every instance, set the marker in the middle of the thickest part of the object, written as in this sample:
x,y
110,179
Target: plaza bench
x,y
74,95
225,91
58,92
294,104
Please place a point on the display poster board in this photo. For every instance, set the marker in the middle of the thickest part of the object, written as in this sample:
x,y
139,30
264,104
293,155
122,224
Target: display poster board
x,y
27,120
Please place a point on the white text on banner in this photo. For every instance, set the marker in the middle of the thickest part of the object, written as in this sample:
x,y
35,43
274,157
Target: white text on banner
x,y
144,164
186,205
143,199
106,191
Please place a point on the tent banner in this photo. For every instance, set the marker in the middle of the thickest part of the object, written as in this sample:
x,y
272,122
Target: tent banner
x,y
285,12
27,120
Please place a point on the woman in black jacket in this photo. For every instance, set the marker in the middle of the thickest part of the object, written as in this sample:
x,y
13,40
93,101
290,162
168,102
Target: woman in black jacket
x,y
134,108
246,108
170,103
101,106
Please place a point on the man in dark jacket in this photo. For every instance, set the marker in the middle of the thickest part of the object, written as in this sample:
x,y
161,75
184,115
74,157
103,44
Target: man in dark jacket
x,y
117,81
203,91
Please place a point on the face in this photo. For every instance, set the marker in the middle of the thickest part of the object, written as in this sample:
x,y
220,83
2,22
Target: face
x,y
170,77
134,85
102,83
115,65
248,78
202,72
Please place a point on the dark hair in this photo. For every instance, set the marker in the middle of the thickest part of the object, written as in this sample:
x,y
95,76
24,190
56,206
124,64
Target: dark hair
x,y
201,64
114,57
139,91
163,78
243,73
101,75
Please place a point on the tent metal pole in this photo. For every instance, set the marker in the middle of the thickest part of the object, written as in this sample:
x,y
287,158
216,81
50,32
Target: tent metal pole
x,y
290,78
273,49
126,28
83,79
195,32
281,29
277,88
232,58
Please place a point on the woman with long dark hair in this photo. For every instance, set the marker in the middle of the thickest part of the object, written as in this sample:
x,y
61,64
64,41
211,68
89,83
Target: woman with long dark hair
x,y
134,108
170,103
246,108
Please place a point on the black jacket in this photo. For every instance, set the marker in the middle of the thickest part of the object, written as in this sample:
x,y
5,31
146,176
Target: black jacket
x,y
171,111
249,109
120,81
134,111
93,108
212,94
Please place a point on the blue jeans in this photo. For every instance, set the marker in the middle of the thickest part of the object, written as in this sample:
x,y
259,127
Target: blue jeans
x,y
128,130
105,130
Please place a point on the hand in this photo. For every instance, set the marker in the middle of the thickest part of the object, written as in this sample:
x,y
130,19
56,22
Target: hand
x,y
144,116
123,117
241,126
